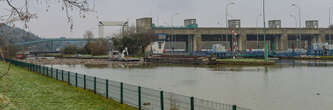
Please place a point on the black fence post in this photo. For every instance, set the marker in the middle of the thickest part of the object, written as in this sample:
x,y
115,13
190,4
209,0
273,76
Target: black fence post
x,y
121,93
62,75
33,68
107,88
51,72
69,78
162,100
75,79
84,81
95,85
47,71
139,98
192,103
57,74
234,107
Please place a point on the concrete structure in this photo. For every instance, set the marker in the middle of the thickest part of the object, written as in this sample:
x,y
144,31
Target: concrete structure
x,y
202,38
191,23
52,44
144,24
274,24
312,24
234,23
102,24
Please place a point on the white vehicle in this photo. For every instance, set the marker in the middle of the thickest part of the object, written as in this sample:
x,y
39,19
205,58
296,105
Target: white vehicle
x,y
218,48
158,47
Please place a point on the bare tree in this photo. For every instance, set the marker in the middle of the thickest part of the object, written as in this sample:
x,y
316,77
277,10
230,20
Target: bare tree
x,y
23,13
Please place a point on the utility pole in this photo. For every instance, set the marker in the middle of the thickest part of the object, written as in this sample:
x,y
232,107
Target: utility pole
x,y
226,21
264,20
299,22
257,20
172,37
329,27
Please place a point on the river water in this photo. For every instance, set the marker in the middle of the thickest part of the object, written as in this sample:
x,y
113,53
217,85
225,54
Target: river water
x,y
289,85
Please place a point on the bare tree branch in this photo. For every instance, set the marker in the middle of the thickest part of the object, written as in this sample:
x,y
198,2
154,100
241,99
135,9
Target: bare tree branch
x,y
24,14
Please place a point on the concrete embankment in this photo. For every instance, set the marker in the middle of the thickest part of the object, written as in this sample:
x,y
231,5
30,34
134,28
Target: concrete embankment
x,y
244,61
206,60
179,59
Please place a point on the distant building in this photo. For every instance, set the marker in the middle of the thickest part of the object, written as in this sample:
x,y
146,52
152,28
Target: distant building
x,y
234,23
274,24
144,24
311,24
190,23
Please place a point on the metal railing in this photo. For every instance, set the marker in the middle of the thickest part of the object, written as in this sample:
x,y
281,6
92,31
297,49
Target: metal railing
x,y
136,96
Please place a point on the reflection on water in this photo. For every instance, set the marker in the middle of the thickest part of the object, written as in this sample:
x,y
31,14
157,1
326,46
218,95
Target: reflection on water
x,y
288,85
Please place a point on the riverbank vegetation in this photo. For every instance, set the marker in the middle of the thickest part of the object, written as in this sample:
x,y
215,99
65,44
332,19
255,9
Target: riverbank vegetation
x,y
24,90
244,61
135,42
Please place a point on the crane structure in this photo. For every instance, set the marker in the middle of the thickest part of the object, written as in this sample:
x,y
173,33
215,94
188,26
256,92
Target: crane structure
x,y
101,24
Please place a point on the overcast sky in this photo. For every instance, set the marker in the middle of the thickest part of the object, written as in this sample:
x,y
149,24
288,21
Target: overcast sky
x,y
209,13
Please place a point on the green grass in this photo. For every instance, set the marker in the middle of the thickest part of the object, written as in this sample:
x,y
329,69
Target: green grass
x,y
326,57
32,91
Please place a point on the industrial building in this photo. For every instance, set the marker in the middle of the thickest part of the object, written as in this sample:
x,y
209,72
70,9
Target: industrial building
x,y
192,38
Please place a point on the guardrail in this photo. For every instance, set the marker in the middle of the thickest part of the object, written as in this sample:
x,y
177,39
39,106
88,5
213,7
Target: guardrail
x,y
136,96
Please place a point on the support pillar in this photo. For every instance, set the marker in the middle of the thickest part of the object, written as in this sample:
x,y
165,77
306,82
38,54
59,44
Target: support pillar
x,y
190,41
242,42
276,43
322,38
197,43
284,41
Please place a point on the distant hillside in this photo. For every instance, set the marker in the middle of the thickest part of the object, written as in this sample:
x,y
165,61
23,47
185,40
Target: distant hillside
x,y
15,35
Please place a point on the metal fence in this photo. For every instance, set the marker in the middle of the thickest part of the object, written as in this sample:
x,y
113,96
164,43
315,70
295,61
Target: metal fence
x,y
136,96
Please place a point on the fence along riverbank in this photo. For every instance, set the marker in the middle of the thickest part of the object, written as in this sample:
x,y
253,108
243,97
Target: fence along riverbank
x,y
137,96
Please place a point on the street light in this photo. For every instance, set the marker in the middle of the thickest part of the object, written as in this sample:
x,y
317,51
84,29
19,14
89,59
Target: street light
x,y
226,19
264,20
226,12
257,31
330,23
295,18
299,20
172,37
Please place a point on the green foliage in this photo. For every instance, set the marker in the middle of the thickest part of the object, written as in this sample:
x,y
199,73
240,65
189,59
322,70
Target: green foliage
x,y
8,51
99,47
70,49
15,35
95,48
135,42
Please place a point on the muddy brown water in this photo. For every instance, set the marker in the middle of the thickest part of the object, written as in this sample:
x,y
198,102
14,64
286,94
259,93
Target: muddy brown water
x,y
288,85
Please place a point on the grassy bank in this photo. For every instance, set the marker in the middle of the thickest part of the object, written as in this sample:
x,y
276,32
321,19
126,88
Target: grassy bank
x,y
32,91
244,61
326,57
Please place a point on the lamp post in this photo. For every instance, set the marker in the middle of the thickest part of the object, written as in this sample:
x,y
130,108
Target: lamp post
x,y
226,12
226,19
257,31
330,23
295,18
264,20
299,21
172,37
